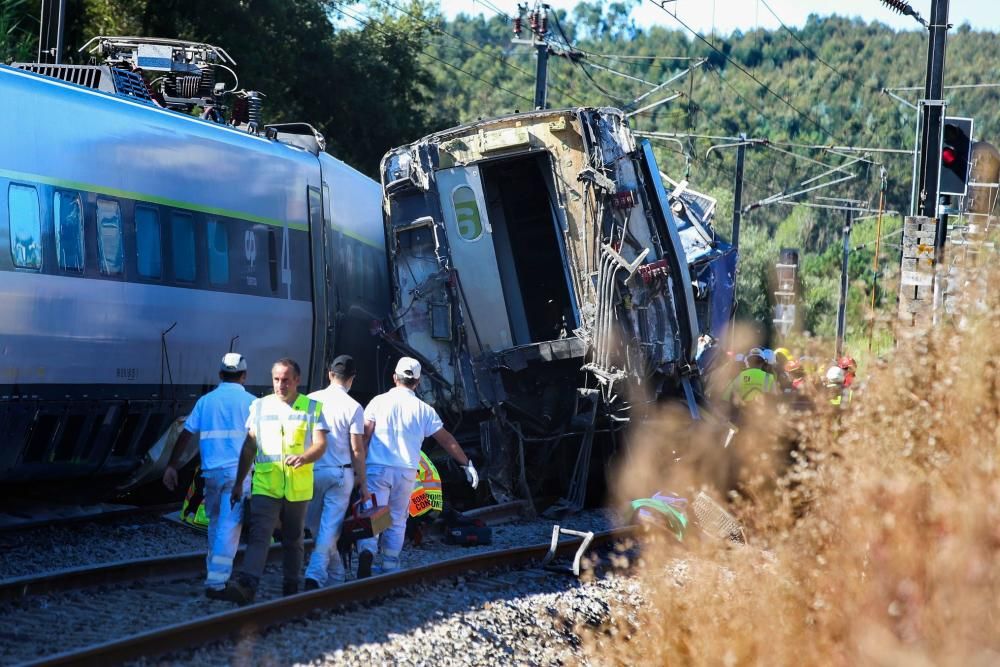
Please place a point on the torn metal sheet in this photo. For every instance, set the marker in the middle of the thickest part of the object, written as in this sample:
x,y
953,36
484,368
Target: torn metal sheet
x,y
540,263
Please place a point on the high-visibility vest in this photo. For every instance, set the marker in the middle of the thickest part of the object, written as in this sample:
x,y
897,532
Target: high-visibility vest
x,y
427,495
750,384
280,435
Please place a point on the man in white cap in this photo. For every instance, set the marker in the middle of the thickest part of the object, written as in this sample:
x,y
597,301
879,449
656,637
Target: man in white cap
x,y
396,424
219,419
336,473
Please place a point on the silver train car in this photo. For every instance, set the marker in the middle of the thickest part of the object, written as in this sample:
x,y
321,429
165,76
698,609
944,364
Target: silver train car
x,y
137,245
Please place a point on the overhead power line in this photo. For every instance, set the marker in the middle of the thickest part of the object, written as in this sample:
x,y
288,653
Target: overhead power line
x,y
747,72
368,22
799,40
471,46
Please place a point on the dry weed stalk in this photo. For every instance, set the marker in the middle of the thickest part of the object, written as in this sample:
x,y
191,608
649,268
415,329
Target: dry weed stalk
x,y
879,545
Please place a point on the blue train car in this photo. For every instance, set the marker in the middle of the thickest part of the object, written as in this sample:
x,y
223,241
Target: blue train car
x,y
137,245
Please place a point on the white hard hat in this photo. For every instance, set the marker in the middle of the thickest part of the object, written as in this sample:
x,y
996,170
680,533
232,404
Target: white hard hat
x,y
408,367
835,376
233,362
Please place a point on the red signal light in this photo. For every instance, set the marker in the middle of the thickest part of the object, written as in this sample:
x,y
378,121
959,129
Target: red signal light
x,y
948,157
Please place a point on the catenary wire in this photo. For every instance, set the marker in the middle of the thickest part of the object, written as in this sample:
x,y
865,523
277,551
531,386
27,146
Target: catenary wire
x,y
804,45
368,22
474,47
748,73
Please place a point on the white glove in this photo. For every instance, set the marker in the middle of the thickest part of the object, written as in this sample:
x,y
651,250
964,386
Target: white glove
x,y
471,475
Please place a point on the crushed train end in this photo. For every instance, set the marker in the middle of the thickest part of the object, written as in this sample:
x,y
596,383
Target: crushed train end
x,y
549,280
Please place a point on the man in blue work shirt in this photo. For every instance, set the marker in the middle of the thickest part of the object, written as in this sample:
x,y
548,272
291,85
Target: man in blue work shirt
x,y
219,419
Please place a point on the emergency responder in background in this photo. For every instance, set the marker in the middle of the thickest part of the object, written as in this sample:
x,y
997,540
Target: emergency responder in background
x,y
753,382
219,419
850,368
286,434
837,390
396,424
336,473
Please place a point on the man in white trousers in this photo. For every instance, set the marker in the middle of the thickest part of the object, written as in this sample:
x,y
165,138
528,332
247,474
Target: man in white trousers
x,y
219,419
336,474
396,424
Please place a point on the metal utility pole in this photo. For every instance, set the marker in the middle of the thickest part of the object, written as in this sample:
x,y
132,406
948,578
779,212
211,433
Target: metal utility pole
x,y
52,19
741,153
842,304
538,22
932,107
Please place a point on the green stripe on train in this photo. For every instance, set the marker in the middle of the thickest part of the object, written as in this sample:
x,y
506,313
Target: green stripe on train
x,y
164,201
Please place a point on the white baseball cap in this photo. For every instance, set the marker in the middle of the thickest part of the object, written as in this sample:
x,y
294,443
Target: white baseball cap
x,y
408,367
233,362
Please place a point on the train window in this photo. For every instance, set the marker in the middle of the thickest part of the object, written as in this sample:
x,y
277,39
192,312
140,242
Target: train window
x,y
68,209
25,226
218,253
182,247
109,236
148,241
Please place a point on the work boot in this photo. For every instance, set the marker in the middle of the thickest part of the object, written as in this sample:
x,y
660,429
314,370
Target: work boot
x,y
290,587
238,592
215,593
365,559
310,584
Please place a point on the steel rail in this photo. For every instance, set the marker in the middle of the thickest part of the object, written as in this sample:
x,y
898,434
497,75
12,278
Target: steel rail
x,y
258,617
189,563
92,517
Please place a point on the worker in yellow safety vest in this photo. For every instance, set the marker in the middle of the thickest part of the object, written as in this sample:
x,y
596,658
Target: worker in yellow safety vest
x,y
286,435
751,383
427,494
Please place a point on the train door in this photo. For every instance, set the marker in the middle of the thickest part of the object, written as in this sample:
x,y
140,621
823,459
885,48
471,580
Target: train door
x,y
319,280
474,259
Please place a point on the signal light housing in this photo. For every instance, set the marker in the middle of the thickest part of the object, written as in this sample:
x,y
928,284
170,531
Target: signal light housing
x,y
956,151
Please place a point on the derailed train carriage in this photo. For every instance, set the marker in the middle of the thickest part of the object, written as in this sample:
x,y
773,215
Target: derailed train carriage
x,y
550,280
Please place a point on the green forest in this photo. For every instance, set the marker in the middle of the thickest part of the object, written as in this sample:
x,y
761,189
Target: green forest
x,y
377,74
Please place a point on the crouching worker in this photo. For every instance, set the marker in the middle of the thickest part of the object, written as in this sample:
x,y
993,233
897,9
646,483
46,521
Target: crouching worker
x,y
286,434
336,473
219,418
396,424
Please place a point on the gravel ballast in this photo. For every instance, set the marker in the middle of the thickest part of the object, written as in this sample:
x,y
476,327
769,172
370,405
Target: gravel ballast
x,y
520,617
35,551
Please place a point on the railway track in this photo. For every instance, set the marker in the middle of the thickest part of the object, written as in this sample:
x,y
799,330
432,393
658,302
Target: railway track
x,y
229,622
14,520
58,615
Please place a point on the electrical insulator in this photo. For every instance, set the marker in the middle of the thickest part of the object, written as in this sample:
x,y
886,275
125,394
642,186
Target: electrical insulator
x,y
543,25
517,26
900,6
533,22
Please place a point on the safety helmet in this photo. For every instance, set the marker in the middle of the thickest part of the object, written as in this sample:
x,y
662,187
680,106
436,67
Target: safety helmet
x,y
835,376
768,356
848,364
785,352
793,366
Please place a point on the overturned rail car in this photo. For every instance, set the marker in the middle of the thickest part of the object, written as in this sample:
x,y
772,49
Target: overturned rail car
x,y
550,280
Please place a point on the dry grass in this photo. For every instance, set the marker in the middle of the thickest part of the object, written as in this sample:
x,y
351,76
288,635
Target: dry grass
x,y
880,546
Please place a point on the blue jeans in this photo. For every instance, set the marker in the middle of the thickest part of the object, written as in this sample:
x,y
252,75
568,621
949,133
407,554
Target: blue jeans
x,y
331,494
224,524
391,486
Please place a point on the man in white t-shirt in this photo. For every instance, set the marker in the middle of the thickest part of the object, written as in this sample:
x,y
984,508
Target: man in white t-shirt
x,y
396,424
336,474
219,419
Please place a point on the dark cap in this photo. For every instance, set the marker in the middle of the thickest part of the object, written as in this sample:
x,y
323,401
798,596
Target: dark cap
x,y
343,365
